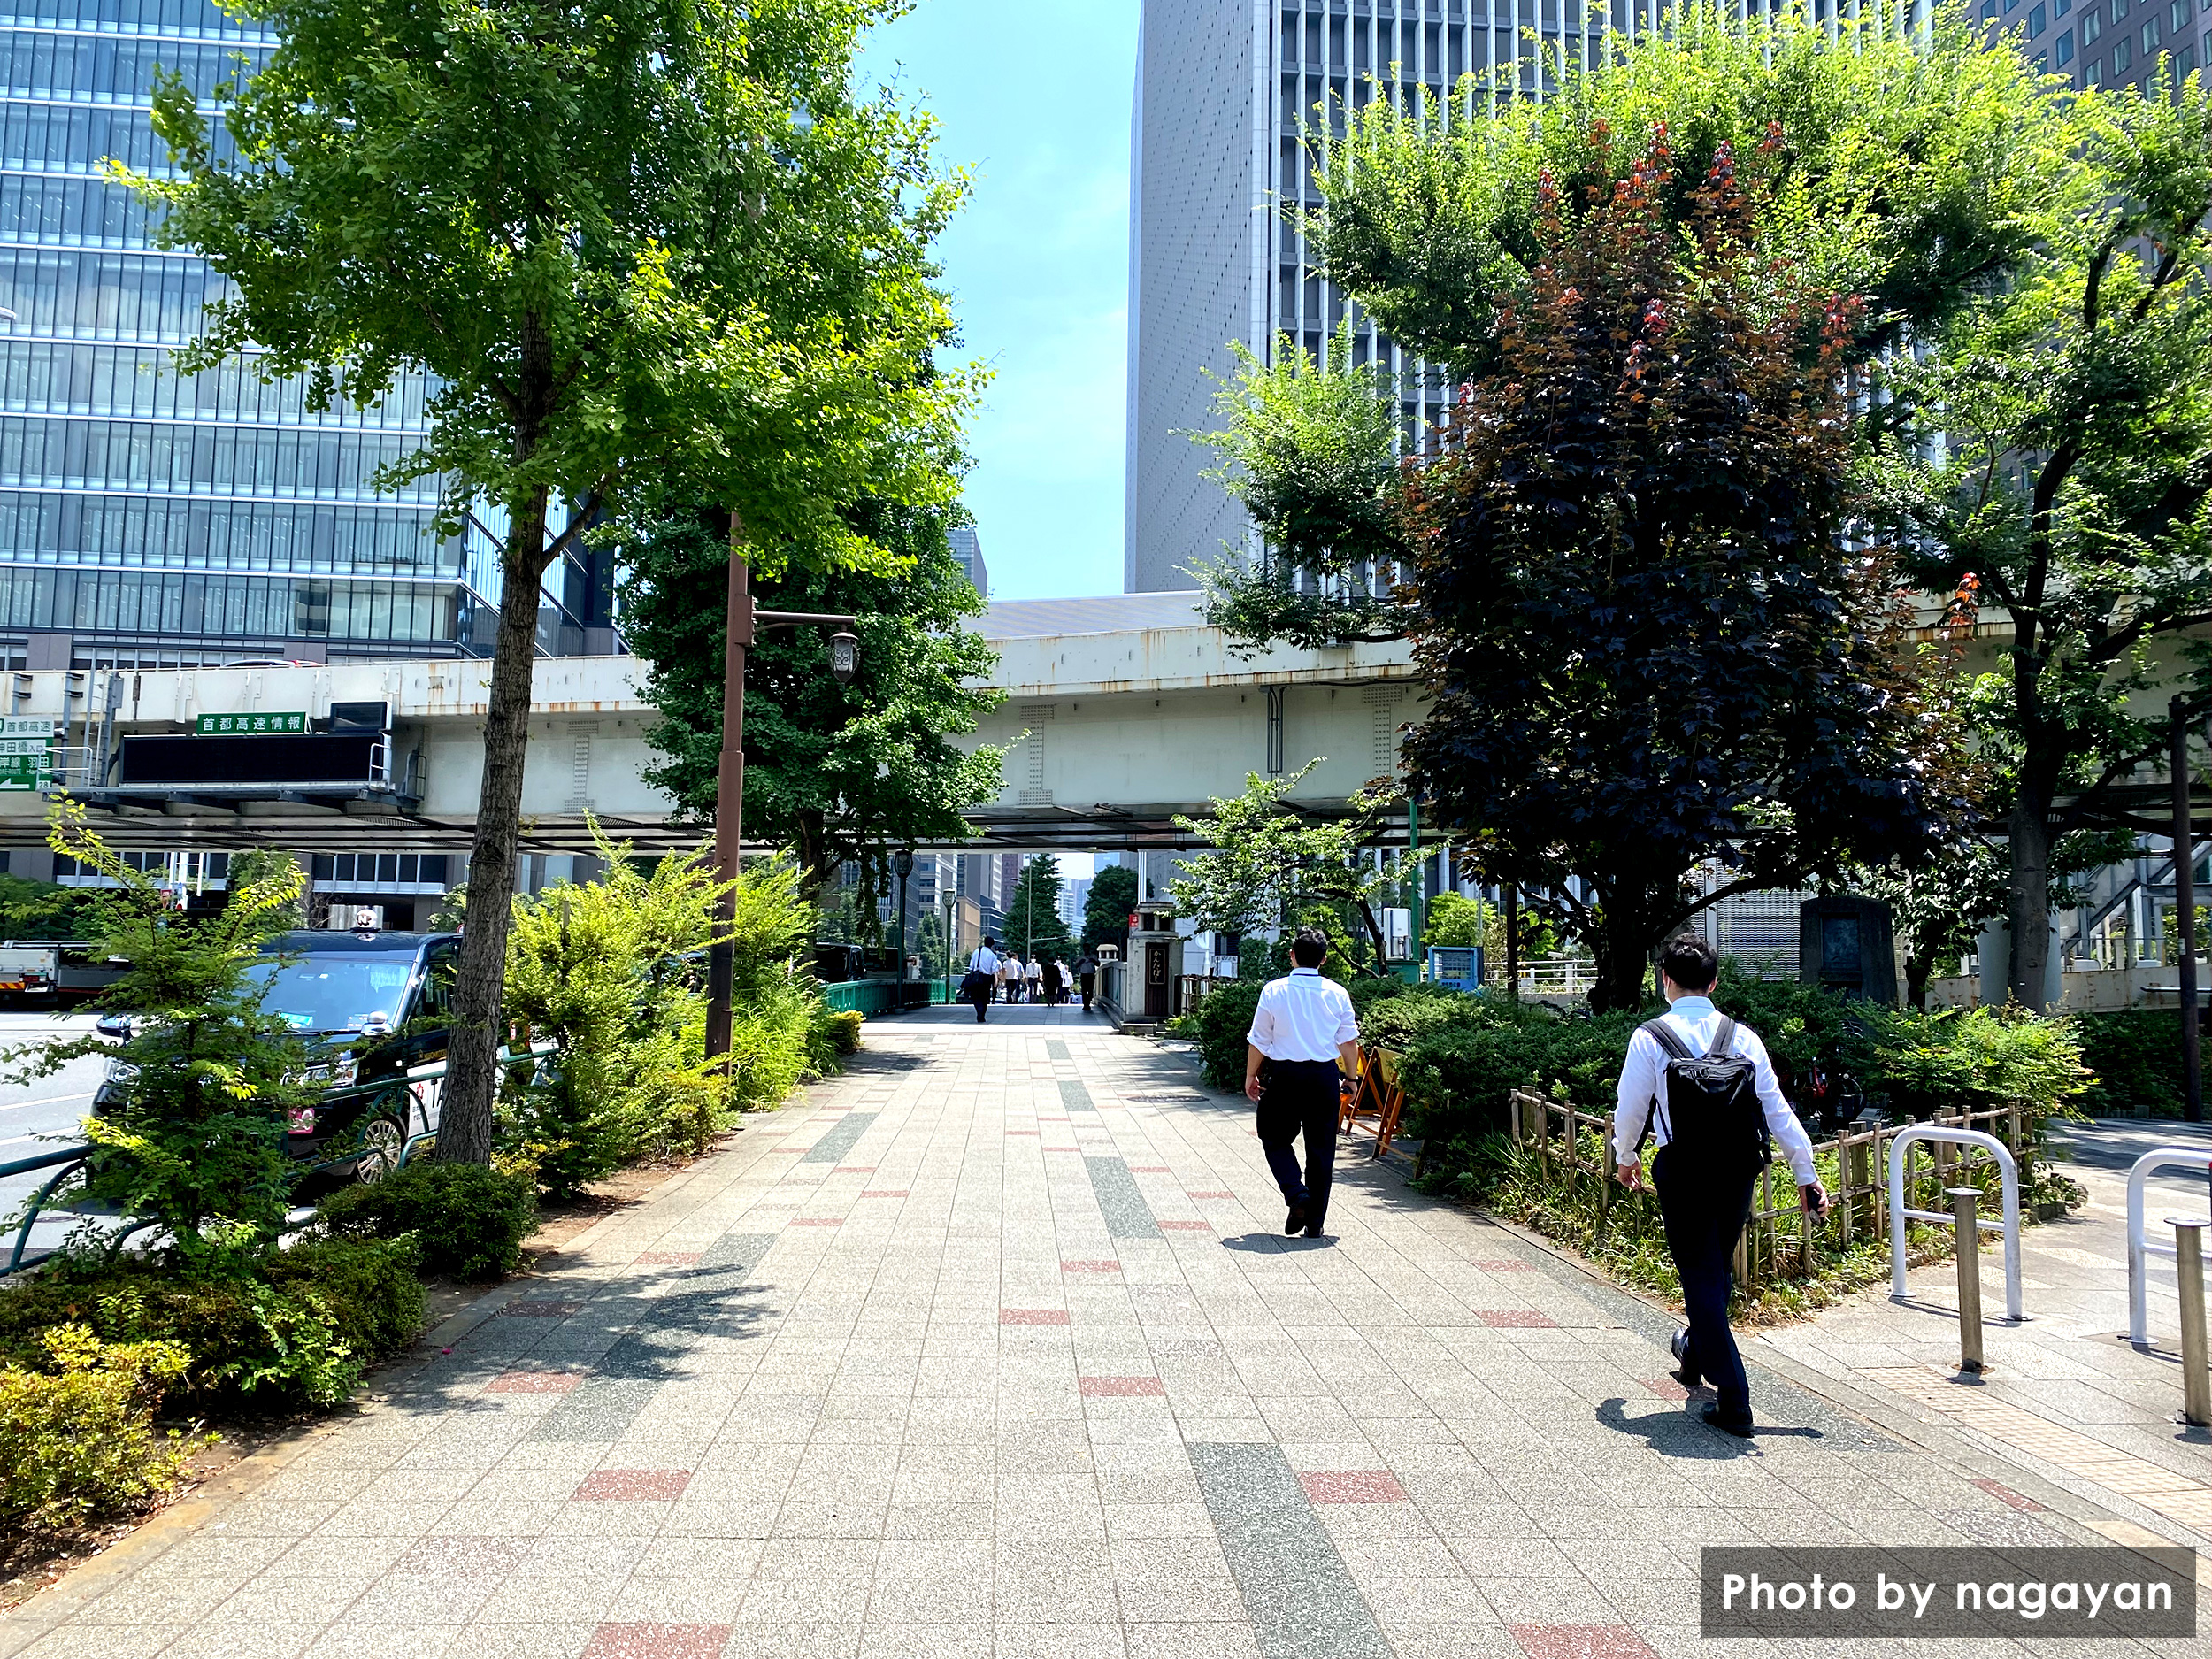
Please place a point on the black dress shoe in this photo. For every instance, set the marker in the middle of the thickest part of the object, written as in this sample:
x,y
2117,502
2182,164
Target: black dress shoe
x,y
1315,1232
1294,1222
1682,1373
1735,1423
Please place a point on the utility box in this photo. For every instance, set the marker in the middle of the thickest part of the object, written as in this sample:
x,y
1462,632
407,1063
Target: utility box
x,y
1843,942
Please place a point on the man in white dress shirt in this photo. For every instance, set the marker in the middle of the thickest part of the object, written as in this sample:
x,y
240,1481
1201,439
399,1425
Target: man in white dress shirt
x,y
1706,1204
1302,1032
981,983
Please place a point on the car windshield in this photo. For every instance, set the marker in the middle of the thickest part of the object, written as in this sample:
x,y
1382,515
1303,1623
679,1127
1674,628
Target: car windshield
x,y
334,993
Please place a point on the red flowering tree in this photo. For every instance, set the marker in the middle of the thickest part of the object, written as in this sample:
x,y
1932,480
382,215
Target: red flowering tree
x,y
1649,640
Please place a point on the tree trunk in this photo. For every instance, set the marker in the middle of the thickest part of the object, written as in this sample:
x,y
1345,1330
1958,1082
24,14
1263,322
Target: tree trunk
x,y
465,1126
1622,950
2028,899
1916,983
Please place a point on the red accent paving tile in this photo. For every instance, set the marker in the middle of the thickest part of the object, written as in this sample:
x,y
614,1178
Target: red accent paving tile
x,y
1580,1641
1186,1227
1362,1486
668,1258
887,1192
1121,1387
1043,1118
854,1169
1210,1194
1090,1267
541,1310
1517,1319
1032,1316
817,1221
534,1382
1016,1134
659,1641
631,1485
1506,1267
1666,1388
2006,1494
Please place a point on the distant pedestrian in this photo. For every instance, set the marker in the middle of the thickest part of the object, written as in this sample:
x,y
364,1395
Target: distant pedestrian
x,y
1001,975
1055,981
1719,1108
1086,976
1035,974
1300,1058
981,980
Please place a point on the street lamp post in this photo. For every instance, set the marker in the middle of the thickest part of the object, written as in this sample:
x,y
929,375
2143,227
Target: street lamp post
x,y
903,866
729,790
952,945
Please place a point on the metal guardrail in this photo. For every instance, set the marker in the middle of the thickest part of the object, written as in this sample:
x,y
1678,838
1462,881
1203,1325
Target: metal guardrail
x,y
66,1161
2140,1247
872,997
1900,1164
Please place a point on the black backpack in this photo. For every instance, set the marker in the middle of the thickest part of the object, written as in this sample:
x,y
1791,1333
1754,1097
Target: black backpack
x,y
1712,1105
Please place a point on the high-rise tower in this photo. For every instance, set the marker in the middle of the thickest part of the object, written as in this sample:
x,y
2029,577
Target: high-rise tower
x,y
151,519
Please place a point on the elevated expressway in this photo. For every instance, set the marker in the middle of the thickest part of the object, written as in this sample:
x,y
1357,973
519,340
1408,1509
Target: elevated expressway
x,y
1118,713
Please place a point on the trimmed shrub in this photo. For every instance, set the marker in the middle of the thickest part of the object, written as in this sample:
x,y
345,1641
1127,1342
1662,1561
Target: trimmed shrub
x,y
464,1222
2135,1057
297,1331
832,1034
1218,1027
77,1441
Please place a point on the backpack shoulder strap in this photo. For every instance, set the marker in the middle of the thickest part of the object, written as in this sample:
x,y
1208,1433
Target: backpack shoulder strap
x,y
1724,1040
1663,1035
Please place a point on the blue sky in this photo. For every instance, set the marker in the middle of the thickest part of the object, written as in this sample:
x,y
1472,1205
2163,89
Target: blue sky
x,y
1033,97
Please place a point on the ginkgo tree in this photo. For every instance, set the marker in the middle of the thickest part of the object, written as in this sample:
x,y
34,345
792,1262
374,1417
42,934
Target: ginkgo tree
x,y
648,251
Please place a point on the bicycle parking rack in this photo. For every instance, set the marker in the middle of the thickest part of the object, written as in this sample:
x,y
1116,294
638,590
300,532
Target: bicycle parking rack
x,y
2007,1171
2140,1247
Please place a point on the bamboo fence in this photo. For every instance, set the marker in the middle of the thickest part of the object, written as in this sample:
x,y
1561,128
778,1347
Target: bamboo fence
x,y
1781,1239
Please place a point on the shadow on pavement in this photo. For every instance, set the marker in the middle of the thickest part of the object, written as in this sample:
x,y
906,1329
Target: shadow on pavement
x,y
1675,1433
1262,1241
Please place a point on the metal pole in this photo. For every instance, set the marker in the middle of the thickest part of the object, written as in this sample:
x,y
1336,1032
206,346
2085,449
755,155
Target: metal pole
x,y
2185,906
1513,941
1969,1245
952,945
2196,1365
1420,881
729,790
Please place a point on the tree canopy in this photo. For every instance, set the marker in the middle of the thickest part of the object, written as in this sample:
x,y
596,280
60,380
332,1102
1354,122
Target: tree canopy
x,y
837,773
1645,639
1108,907
647,253
1034,925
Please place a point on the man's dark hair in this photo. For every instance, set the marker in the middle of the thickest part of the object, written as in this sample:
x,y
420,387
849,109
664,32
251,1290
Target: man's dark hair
x,y
1310,947
1689,962
989,943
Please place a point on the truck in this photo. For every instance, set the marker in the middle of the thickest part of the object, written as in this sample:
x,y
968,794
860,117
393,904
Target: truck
x,y
29,969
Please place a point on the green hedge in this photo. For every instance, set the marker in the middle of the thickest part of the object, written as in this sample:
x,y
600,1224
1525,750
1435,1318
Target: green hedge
x,y
2136,1057
464,1222
298,1329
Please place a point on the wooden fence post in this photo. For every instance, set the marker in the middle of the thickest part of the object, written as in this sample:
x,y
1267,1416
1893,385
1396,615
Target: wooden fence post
x,y
2013,1129
1853,1172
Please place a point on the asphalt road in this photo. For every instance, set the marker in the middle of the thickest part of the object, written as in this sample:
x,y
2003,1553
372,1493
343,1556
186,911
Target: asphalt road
x,y
39,1115
2113,1144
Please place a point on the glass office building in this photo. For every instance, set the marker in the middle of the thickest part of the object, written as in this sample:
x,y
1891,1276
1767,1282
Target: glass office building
x,y
152,521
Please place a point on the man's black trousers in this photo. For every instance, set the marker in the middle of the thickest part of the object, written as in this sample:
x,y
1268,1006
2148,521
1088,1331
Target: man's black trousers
x,y
1299,1097
1704,1216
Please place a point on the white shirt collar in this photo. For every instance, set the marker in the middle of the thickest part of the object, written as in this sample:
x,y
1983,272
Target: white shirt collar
x,y
1692,1006
1295,972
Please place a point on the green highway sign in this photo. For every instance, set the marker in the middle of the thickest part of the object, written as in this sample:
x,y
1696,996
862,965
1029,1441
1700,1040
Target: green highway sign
x,y
247,724
26,752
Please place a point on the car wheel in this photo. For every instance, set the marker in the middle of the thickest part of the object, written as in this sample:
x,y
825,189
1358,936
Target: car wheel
x,y
383,1139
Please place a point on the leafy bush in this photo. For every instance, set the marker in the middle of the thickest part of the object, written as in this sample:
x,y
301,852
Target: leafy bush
x,y
1397,1022
1973,1058
2134,1057
1217,1026
832,1034
611,970
1457,1076
299,1331
464,1222
1802,1026
78,1441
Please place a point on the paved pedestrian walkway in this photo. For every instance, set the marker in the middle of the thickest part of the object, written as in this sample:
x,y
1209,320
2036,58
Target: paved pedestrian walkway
x,y
992,1349
2065,1393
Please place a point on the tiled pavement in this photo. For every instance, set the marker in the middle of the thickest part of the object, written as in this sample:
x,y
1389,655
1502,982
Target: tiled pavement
x,y
2065,1392
991,1347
